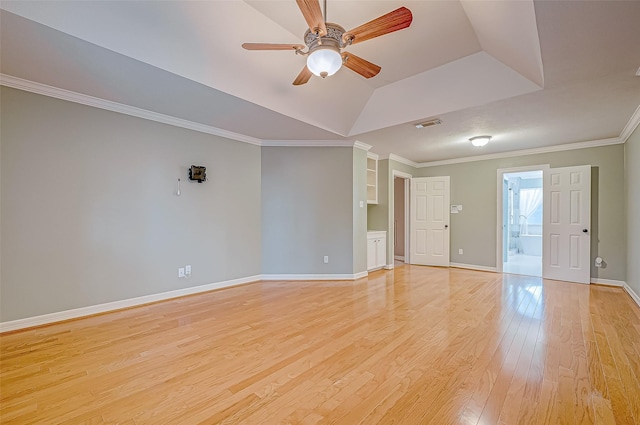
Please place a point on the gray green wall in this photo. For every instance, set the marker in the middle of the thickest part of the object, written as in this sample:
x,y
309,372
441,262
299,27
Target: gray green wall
x,y
359,212
307,210
89,213
632,179
474,185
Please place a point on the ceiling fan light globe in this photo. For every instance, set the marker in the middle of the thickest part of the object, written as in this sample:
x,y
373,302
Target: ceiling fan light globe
x,y
324,61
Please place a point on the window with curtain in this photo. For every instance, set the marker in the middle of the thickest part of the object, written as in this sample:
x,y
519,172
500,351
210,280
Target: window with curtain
x,y
531,211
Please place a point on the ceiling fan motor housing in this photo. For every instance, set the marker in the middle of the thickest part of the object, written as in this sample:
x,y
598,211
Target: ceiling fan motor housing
x,y
333,37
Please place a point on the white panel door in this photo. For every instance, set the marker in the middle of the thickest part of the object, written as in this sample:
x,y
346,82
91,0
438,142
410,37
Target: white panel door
x,y
429,221
566,240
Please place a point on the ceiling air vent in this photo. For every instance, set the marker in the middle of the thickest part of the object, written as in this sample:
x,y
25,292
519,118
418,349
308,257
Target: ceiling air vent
x,y
429,123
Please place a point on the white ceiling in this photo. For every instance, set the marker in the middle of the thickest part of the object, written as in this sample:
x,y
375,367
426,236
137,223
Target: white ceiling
x,y
531,74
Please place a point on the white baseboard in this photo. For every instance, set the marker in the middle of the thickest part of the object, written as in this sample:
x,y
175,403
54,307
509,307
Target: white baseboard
x,y
388,267
75,313
473,267
117,305
608,282
345,276
632,294
399,257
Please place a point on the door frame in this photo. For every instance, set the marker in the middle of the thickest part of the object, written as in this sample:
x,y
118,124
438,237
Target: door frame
x,y
407,180
499,216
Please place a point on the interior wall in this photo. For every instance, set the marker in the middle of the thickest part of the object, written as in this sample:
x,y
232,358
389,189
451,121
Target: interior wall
x,y
473,184
359,211
89,212
632,179
307,213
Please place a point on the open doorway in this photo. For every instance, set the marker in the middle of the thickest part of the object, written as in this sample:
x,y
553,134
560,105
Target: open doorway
x,y
522,214
398,219
400,225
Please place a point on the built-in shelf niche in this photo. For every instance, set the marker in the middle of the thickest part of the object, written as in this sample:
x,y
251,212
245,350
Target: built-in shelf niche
x,y
372,178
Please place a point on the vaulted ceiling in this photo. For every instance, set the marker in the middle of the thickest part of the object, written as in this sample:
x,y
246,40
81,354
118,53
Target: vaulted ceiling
x,y
532,74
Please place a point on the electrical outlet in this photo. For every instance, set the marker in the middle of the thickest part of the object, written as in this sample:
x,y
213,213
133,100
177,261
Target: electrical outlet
x,y
460,251
187,269
181,272
326,259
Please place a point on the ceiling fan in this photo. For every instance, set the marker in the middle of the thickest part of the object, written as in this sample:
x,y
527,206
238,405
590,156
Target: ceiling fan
x,y
326,41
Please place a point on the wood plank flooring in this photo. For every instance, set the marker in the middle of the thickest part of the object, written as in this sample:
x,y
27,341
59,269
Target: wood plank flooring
x,y
415,345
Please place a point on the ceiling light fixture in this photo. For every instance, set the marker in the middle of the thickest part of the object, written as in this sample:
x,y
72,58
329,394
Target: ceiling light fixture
x,y
325,59
480,140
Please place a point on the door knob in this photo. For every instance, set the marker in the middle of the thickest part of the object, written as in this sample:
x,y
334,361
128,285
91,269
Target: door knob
x,y
585,230
446,226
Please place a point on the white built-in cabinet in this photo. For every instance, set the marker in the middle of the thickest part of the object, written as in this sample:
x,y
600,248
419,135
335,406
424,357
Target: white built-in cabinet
x,y
376,249
372,178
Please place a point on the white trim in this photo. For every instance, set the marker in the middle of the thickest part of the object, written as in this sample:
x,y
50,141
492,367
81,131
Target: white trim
x,y
523,152
118,305
389,267
309,143
607,282
353,276
372,156
396,173
391,212
473,267
83,99
359,145
391,201
631,125
632,294
401,160
399,257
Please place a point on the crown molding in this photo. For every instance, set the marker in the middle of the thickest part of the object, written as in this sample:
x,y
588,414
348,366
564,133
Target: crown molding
x,y
363,146
308,143
631,125
402,160
83,99
58,93
524,152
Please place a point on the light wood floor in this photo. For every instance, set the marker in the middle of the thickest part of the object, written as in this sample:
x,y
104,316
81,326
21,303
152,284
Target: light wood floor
x,y
416,345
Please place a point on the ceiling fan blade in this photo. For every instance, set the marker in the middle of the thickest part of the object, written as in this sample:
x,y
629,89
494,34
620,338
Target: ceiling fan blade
x,y
303,77
393,21
359,65
272,46
313,15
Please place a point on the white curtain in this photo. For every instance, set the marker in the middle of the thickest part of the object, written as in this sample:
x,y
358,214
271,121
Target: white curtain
x,y
530,200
